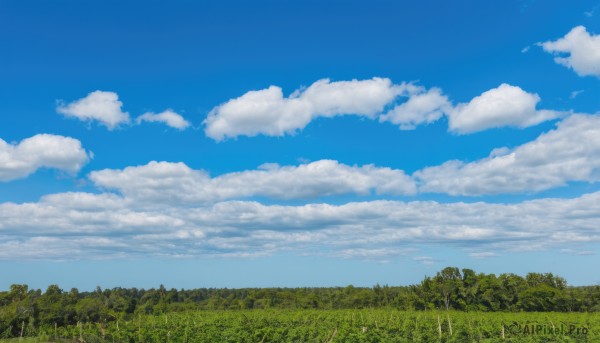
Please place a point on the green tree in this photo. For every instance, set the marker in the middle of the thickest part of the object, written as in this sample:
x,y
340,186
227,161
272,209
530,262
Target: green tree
x,y
448,283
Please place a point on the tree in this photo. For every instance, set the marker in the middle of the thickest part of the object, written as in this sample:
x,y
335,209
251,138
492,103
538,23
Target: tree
x,y
448,282
426,293
539,298
468,294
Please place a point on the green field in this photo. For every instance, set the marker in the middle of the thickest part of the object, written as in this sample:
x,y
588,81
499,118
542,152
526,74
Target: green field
x,y
376,325
453,306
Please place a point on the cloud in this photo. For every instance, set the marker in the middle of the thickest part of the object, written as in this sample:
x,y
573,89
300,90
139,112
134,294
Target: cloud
x,y
176,182
169,209
575,94
591,12
422,107
482,255
503,106
105,108
40,151
378,254
100,106
167,117
577,50
569,153
82,225
268,112
578,252
427,260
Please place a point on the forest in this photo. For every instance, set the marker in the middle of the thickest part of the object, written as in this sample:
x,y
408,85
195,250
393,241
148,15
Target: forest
x,y
450,289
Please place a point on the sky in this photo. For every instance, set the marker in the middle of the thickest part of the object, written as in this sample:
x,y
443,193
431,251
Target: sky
x,y
297,143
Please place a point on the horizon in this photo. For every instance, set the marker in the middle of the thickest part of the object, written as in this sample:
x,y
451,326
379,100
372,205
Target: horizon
x,y
297,144
432,276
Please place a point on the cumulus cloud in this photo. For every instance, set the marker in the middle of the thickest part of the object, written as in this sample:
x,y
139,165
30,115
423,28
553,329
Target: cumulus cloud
x,y
577,50
40,151
168,117
268,112
176,182
569,153
407,105
100,106
422,107
58,227
503,106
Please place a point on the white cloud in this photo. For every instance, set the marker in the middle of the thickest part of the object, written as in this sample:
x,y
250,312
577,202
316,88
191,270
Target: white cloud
x,y
427,260
482,255
380,254
575,94
422,107
577,50
591,12
269,113
176,182
569,153
59,227
167,117
503,106
578,252
40,151
101,106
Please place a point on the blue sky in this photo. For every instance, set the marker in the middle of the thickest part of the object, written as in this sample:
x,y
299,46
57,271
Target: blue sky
x,y
297,143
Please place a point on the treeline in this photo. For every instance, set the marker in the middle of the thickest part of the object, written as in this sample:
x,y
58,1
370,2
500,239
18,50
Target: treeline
x,y
23,309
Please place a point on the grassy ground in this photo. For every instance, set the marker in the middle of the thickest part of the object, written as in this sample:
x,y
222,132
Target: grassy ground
x,y
364,326
33,340
23,340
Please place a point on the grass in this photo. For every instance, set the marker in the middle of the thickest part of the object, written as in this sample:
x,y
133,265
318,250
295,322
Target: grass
x,y
367,325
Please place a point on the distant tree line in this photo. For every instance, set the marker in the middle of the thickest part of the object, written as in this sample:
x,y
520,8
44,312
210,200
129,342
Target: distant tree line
x,y
23,309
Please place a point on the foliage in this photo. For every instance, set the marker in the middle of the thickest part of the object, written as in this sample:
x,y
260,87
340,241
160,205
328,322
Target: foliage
x,y
366,325
296,314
